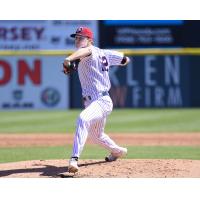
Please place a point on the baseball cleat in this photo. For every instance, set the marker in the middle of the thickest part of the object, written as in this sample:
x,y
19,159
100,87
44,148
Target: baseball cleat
x,y
73,165
115,156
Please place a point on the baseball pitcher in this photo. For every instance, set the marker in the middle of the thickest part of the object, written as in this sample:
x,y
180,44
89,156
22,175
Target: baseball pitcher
x,y
93,65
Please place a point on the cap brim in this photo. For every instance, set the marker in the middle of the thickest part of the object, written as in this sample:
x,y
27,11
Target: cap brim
x,y
73,35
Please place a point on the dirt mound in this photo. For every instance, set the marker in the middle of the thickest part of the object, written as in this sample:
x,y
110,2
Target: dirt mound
x,y
125,168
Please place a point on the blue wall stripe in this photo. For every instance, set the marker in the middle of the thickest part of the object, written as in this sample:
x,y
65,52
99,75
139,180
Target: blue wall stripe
x,y
144,22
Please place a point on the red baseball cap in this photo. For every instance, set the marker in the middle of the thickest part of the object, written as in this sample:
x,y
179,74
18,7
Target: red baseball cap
x,y
83,31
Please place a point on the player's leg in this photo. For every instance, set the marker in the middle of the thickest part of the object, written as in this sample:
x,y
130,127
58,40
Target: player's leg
x,y
85,120
98,136
97,133
82,127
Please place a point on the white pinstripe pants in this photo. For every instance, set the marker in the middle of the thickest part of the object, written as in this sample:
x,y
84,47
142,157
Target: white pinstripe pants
x,y
91,123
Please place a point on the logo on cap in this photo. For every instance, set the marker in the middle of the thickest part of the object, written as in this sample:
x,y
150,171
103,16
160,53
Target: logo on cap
x,y
79,30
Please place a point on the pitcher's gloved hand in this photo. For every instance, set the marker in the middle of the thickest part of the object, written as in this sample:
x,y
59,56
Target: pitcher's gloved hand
x,y
70,66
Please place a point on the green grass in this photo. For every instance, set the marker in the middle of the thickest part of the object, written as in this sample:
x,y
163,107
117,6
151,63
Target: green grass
x,y
95,152
120,120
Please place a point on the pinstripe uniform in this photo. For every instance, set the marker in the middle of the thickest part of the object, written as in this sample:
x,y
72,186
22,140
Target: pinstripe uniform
x,y
95,84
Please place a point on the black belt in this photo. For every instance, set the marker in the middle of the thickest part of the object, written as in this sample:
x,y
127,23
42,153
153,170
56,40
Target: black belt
x,y
105,93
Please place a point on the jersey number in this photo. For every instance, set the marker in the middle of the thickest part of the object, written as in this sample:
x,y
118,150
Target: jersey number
x,y
104,63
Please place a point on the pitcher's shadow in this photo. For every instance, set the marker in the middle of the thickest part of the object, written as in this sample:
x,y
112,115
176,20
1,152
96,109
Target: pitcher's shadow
x,y
47,170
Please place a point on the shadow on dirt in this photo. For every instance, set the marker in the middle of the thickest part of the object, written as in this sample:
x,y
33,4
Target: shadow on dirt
x,y
47,170
62,175
92,163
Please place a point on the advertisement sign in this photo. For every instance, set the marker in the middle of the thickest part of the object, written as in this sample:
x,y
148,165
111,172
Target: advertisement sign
x,y
151,81
31,82
41,34
149,33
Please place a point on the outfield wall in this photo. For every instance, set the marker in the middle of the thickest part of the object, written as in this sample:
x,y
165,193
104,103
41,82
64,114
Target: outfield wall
x,y
155,78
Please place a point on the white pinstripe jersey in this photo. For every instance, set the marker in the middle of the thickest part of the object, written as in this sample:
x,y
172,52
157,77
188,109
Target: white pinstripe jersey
x,y
93,70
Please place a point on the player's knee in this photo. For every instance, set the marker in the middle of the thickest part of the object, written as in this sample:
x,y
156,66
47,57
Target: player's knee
x,y
83,118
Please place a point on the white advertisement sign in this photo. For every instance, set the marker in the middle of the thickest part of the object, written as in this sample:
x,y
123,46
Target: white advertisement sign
x,y
31,82
42,34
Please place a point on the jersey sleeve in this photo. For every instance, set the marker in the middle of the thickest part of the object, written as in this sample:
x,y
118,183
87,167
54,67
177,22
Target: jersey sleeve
x,y
114,57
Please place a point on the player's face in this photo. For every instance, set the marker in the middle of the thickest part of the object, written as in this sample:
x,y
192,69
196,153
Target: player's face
x,y
81,41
